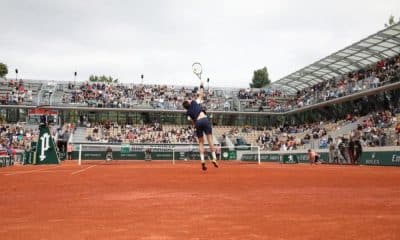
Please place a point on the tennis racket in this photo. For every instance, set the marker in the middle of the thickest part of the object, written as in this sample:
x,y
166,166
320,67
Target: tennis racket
x,y
197,69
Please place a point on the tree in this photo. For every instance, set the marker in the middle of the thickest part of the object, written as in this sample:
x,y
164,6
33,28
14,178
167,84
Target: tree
x,y
102,78
3,70
260,78
391,21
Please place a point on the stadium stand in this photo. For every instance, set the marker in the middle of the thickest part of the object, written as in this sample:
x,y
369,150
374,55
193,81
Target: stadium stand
x,y
383,72
16,138
155,133
104,95
362,79
21,92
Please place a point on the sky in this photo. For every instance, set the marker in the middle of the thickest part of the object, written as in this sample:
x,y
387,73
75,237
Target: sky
x,y
161,39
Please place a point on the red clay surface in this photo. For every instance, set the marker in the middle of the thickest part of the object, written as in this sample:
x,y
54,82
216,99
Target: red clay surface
x,y
158,200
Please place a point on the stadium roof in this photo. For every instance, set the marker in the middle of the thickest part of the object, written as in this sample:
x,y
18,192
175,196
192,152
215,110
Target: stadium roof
x,y
381,45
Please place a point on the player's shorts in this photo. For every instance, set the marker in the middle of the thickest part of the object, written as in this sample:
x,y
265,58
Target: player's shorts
x,y
203,125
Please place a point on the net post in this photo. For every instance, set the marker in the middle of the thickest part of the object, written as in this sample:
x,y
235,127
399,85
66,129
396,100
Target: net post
x,y
173,155
80,155
258,155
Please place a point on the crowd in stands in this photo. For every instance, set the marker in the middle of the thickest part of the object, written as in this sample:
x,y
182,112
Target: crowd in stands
x,y
259,94
154,133
371,132
108,95
373,128
15,137
290,137
285,137
139,95
383,72
15,92
261,98
116,95
371,77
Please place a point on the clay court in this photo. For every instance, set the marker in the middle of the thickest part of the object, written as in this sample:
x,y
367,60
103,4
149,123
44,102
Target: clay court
x,y
158,200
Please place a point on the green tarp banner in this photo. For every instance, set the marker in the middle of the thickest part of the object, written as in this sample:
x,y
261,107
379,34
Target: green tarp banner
x,y
380,158
45,148
89,155
5,161
228,155
289,159
263,157
147,155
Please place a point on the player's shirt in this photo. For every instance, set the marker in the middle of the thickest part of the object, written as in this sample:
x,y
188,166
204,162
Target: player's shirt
x,y
194,110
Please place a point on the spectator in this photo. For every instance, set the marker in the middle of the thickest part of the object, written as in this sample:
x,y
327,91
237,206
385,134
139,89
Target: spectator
x,y
69,151
397,129
109,155
333,158
218,151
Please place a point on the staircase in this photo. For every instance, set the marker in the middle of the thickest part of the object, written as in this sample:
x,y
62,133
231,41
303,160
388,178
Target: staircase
x,y
80,135
346,129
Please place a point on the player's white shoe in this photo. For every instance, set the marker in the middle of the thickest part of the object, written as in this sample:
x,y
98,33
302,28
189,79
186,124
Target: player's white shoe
x,y
214,162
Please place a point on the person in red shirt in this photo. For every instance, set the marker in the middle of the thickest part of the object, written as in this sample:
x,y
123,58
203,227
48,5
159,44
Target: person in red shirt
x,y
69,151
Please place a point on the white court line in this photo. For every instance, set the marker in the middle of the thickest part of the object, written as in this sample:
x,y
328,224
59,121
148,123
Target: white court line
x,y
23,172
83,170
55,171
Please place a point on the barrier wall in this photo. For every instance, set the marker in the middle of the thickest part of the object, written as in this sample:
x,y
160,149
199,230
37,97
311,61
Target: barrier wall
x,y
146,152
5,161
143,155
382,156
21,157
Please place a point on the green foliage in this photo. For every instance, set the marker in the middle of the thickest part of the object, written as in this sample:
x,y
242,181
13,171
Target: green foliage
x,y
3,70
103,78
260,78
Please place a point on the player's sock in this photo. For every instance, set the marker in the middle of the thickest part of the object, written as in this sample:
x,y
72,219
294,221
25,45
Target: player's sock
x,y
214,156
202,158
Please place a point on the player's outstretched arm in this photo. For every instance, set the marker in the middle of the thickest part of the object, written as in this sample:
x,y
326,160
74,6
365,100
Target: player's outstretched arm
x,y
200,92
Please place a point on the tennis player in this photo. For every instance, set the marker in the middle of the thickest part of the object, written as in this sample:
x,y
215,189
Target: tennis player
x,y
199,119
